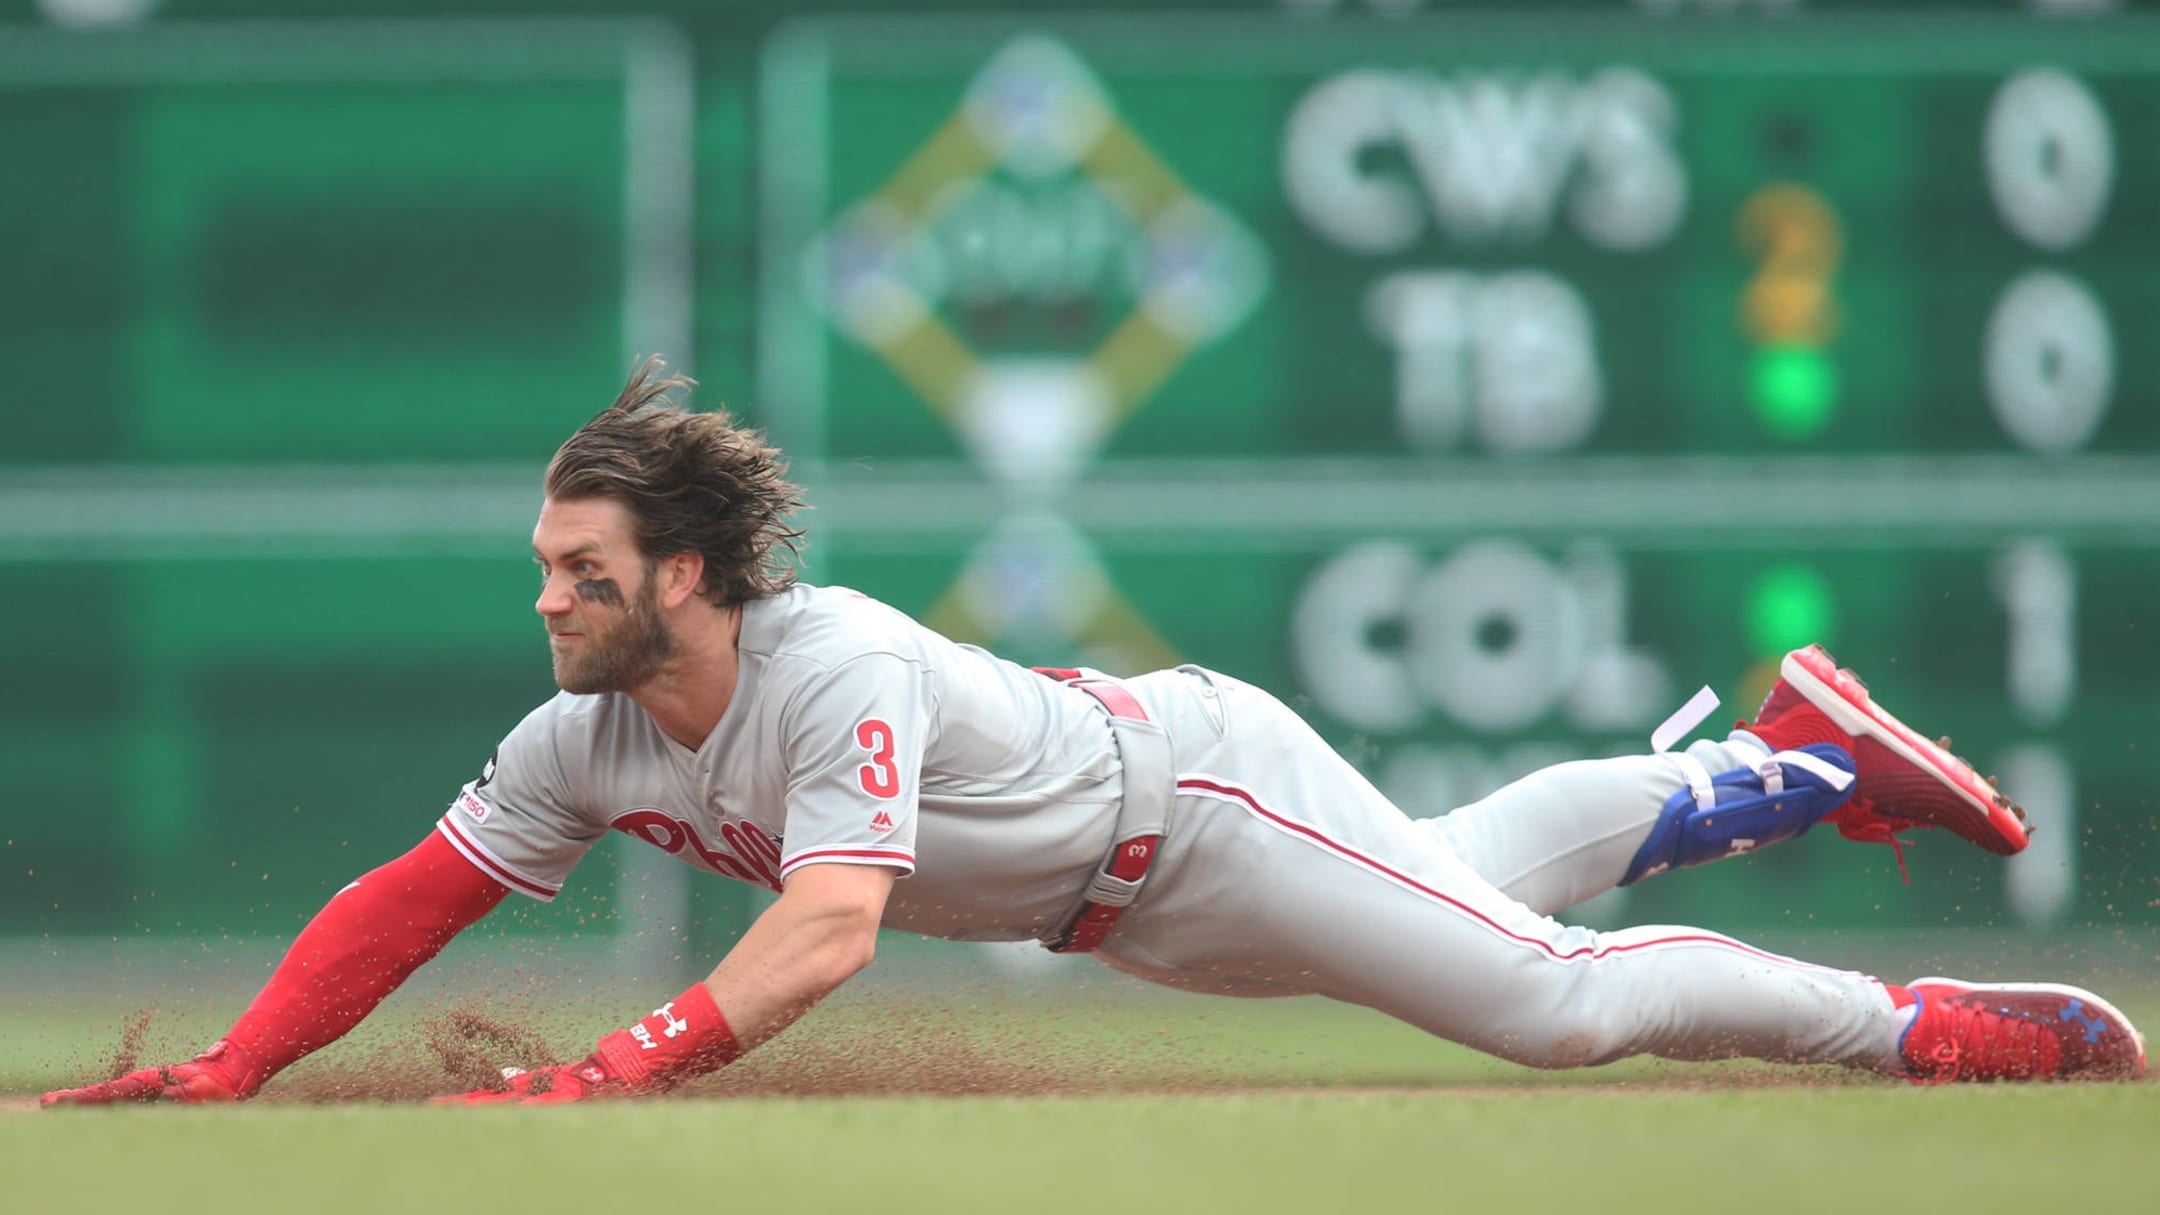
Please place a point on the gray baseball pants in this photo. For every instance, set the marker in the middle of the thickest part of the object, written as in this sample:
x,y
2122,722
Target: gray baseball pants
x,y
1284,871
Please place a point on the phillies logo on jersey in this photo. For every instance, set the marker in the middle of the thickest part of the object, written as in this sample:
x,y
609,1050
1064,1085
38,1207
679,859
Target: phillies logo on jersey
x,y
744,852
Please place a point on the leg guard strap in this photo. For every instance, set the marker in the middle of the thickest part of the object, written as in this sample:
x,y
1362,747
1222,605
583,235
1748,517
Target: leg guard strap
x,y
1741,810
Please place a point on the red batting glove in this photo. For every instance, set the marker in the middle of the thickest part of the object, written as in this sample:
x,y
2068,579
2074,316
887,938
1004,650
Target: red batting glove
x,y
682,1038
581,1081
222,1073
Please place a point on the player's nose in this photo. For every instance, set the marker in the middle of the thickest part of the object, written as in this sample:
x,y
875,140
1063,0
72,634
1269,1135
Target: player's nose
x,y
554,599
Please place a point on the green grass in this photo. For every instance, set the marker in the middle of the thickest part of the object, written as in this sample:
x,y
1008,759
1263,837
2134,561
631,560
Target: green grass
x,y
1546,1149
1295,1106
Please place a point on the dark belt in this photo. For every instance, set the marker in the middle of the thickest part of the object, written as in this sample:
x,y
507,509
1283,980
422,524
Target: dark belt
x,y
1139,829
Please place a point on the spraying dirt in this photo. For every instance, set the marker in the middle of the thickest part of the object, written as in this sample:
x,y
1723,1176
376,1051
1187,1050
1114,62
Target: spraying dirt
x,y
129,1048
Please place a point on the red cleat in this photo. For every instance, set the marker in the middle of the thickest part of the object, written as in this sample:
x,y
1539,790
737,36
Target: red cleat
x,y
2017,1031
1904,780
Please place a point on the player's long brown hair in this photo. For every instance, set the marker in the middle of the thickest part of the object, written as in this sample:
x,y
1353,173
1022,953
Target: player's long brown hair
x,y
695,483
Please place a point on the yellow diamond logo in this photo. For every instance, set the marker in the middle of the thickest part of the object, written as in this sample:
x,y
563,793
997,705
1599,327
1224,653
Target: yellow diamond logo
x,y
1033,271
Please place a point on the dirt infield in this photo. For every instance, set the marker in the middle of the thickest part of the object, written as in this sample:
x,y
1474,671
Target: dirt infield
x,y
924,1053
917,1051
913,1051
914,1048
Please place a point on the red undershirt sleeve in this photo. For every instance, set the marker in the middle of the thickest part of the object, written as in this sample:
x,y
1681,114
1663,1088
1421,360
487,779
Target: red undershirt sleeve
x,y
365,942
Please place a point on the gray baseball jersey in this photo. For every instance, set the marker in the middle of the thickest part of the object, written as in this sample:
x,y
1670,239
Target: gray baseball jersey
x,y
855,736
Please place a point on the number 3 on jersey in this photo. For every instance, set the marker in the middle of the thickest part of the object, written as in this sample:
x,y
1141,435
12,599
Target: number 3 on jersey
x,y
880,777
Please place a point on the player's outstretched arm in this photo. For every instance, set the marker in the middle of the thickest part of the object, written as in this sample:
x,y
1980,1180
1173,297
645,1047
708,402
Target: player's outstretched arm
x,y
816,936
365,942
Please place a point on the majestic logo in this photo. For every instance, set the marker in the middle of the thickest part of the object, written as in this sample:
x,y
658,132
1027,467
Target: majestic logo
x,y
882,823
744,852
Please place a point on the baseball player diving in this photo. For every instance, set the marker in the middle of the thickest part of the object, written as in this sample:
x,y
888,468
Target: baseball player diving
x,y
1182,826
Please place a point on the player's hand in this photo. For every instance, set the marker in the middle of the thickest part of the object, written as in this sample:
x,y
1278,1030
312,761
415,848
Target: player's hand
x,y
221,1073
585,1080
682,1038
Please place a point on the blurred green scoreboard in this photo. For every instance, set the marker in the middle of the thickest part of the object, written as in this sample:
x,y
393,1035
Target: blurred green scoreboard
x,y
1521,237
1482,385
320,243
1486,385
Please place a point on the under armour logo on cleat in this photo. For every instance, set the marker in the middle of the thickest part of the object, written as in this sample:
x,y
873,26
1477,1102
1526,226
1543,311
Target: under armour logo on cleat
x,y
2094,1026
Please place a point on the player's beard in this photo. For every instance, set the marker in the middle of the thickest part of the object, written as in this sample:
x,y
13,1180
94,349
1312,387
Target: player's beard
x,y
623,657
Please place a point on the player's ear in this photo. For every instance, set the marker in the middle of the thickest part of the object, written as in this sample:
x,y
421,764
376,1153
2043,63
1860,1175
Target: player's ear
x,y
680,576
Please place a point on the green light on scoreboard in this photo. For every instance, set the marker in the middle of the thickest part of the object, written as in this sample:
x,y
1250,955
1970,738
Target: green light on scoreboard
x,y
1788,607
1793,390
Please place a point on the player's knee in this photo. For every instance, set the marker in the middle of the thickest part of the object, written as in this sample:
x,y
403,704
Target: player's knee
x,y
1733,812
1559,1050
